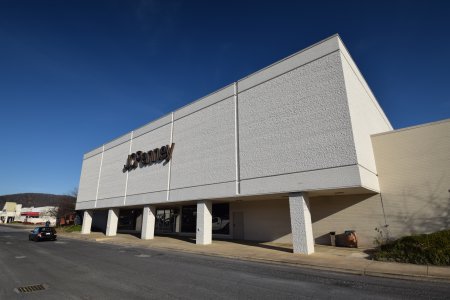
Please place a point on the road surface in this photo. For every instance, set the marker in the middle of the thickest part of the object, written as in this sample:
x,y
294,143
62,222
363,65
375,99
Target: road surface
x,y
74,269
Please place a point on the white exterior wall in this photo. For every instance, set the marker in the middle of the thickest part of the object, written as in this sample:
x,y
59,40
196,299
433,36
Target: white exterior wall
x,y
293,124
150,180
87,191
286,128
367,118
204,152
111,189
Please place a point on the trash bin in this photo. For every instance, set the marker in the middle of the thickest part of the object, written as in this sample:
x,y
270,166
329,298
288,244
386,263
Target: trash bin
x,y
333,238
351,240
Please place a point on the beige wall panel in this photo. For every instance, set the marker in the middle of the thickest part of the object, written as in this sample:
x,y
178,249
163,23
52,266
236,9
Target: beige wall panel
x,y
414,173
265,220
362,213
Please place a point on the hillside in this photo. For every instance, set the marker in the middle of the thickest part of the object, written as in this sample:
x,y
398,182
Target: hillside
x,y
37,200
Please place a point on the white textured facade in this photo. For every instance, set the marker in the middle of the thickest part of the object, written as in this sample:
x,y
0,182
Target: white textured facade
x,y
277,130
302,125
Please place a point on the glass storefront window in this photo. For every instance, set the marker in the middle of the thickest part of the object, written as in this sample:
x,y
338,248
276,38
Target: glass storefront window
x,y
189,218
165,221
127,219
221,218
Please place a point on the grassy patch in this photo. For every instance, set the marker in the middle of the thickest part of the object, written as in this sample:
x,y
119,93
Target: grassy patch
x,y
70,228
432,249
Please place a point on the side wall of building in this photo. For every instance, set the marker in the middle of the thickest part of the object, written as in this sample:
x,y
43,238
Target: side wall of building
x,y
414,173
367,118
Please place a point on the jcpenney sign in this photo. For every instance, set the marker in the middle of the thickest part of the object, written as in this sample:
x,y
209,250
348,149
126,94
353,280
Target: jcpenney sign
x,y
149,157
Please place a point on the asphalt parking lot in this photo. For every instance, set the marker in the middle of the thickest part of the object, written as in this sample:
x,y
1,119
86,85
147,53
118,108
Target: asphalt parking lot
x,y
75,269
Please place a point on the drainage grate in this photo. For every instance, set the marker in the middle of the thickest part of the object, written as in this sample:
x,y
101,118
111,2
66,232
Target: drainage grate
x,y
30,288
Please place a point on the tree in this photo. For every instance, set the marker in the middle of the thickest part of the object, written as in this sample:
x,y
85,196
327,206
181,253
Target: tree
x,y
66,208
73,192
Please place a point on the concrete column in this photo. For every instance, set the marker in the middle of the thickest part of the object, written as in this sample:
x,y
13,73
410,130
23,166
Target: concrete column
x,y
138,225
113,220
204,223
178,224
301,225
148,222
178,220
87,222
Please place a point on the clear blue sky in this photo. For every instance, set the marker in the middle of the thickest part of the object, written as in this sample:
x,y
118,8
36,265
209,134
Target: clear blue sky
x,y
76,74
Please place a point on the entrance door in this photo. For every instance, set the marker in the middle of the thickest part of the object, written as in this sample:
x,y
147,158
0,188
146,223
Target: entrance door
x,y
165,220
238,225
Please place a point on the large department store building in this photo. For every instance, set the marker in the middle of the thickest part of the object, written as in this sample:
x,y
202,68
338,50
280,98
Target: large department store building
x,y
288,154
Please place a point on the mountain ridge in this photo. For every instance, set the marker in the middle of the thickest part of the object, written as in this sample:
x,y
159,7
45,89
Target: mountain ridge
x,y
38,199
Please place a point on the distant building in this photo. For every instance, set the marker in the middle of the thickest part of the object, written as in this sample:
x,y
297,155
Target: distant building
x,y
10,212
39,215
13,212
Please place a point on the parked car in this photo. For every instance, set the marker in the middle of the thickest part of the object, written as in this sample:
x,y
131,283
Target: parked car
x,y
42,233
218,223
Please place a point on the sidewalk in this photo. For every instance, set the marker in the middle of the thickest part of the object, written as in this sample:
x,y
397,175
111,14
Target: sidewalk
x,y
347,260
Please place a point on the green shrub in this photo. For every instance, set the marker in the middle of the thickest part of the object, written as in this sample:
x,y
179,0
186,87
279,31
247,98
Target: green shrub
x,y
71,228
433,249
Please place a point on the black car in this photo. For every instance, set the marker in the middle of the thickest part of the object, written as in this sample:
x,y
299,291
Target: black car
x,y
42,233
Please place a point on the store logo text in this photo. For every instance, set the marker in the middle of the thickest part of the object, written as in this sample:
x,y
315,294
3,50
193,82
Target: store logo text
x,y
147,158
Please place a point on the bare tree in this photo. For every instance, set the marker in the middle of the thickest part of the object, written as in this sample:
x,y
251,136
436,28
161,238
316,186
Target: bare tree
x,y
67,207
73,192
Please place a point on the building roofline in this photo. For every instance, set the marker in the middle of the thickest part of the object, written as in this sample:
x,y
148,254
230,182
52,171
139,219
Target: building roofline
x,y
412,127
336,35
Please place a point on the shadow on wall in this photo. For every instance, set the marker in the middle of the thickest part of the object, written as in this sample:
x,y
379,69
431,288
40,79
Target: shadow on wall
x,y
324,239
361,213
264,220
323,207
421,212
